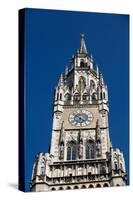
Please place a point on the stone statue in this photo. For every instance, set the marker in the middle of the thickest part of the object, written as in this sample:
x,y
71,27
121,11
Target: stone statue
x,y
81,149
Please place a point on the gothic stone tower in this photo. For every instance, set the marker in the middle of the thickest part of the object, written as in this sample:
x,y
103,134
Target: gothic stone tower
x,y
81,154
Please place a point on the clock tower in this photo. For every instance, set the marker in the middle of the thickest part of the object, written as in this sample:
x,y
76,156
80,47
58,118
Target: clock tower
x,y
81,154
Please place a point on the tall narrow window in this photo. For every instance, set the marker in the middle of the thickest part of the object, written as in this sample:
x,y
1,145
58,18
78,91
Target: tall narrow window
x,y
104,95
92,84
101,95
42,170
94,96
68,153
71,151
90,149
116,166
60,96
74,152
57,97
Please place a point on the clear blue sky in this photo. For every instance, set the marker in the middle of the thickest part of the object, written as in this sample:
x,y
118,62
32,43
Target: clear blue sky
x,y
51,37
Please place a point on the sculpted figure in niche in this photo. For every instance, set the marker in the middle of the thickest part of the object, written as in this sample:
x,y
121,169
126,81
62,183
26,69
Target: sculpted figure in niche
x,y
81,149
81,84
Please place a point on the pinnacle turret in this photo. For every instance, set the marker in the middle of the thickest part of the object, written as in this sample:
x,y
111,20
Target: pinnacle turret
x,y
82,48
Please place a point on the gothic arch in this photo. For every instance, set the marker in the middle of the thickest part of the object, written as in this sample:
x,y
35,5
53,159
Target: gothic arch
x,y
60,96
76,187
91,186
53,188
76,97
61,188
94,96
104,96
81,83
105,185
82,63
90,149
98,185
92,84
68,188
42,170
67,96
71,150
85,96
83,187
116,165
57,97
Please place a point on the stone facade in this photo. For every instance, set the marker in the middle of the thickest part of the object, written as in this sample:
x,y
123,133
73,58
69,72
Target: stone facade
x,y
81,154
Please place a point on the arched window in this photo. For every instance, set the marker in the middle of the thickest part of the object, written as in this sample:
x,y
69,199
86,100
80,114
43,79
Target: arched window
x,y
81,83
101,95
94,97
60,96
102,169
61,188
116,166
57,97
98,185
76,187
90,149
92,84
104,95
91,186
42,170
76,97
53,189
68,188
83,187
105,185
67,97
85,97
71,151
82,64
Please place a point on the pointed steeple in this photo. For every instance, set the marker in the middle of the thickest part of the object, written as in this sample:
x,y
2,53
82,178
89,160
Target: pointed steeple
x,y
66,70
97,70
61,80
101,79
82,48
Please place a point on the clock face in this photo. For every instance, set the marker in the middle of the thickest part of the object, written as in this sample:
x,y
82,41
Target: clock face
x,y
80,118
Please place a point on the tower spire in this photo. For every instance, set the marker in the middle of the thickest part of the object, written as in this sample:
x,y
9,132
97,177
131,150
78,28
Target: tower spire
x,y
82,45
60,83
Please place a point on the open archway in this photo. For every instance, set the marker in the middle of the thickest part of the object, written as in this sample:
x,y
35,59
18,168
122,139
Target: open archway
x,y
105,185
83,187
61,188
98,185
76,187
68,188
53,189
91,186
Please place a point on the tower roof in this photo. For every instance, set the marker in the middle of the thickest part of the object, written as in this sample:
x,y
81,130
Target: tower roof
x,y
82,48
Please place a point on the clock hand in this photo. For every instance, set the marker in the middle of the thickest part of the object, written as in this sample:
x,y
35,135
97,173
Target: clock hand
x,y
83,118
